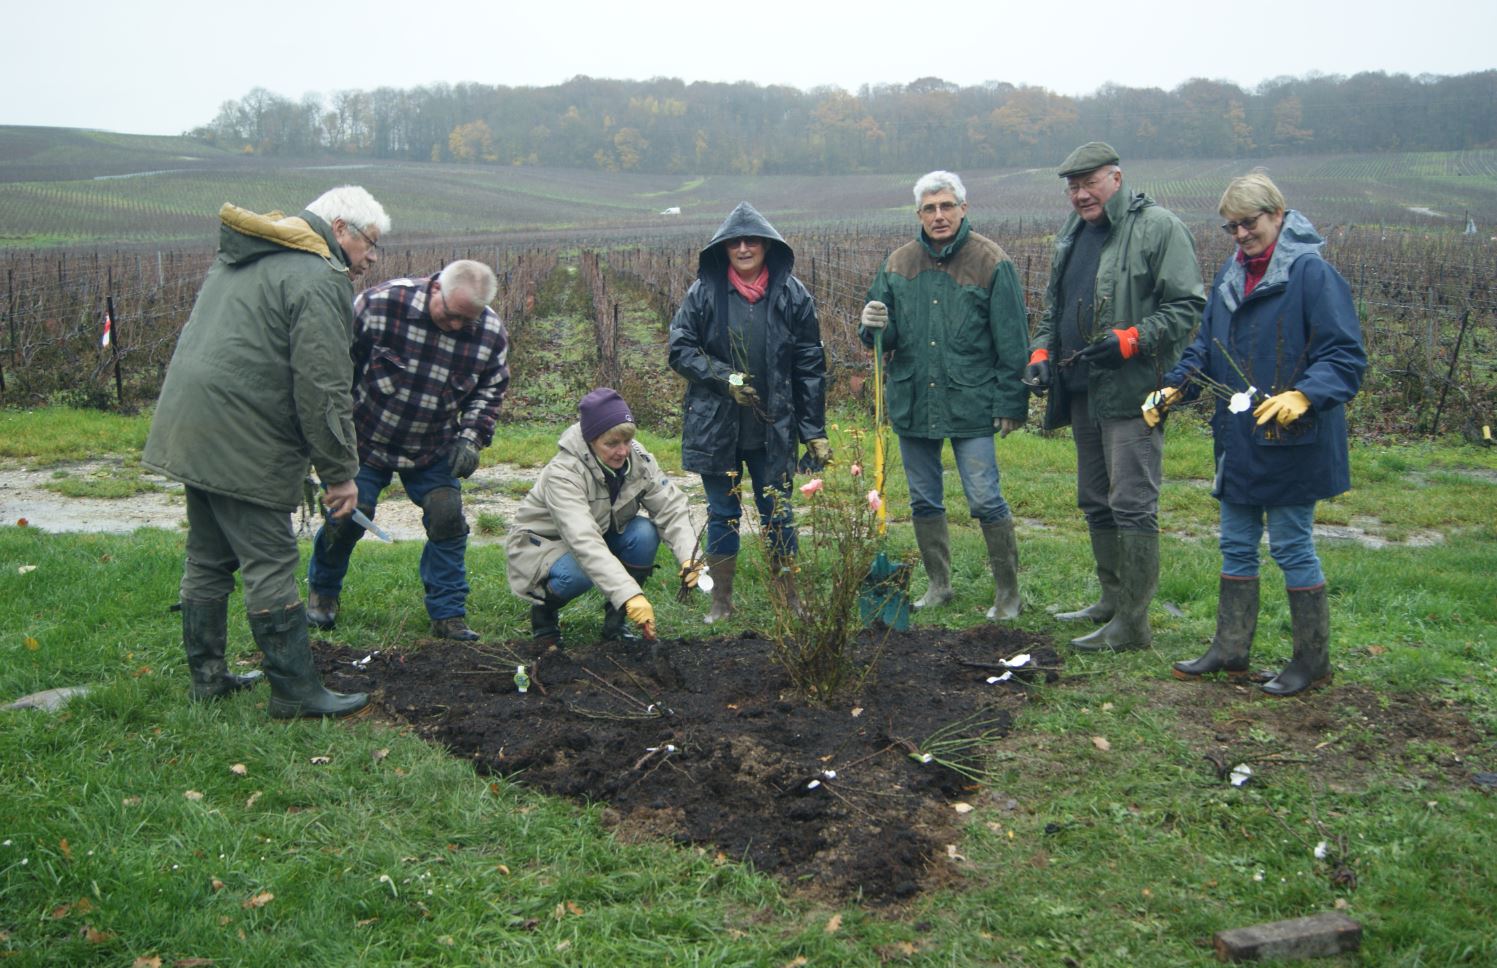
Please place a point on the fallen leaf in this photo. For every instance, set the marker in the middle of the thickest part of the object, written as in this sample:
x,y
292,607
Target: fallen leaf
x,y
67,852
26,569
146,961
95,936
193,963
962,807
833,924
952,853
380,754
1107,707
503,869
130,802
32,644
1376,649
83,905
61,911
239,769
192,795
447,941
857,711
321,760
258,901
216,884
900,949
224,920
252,798
22,522
1100,742
574,908
797,962
142,672
365,922
563,945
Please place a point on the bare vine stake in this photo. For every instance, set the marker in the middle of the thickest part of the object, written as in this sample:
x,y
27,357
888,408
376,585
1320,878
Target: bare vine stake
x,y
1455,355
114,339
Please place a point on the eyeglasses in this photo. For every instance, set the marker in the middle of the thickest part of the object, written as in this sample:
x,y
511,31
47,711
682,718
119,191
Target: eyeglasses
x,y
365,236
945,208
752,241
1249,223
1089,184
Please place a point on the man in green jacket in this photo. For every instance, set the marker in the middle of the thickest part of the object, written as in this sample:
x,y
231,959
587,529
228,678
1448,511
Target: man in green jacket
x,y
1124,294
260,385
951,312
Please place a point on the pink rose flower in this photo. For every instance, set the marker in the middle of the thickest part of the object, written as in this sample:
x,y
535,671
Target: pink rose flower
x,y
856,470
812,486
874,501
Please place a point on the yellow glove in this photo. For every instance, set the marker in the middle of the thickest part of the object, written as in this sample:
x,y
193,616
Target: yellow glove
x,y
690,572
641,614
1286,408
1156,403
744,396
821,450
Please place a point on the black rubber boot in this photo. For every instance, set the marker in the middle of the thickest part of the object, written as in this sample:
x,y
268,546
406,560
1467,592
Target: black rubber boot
x,y
205,636
721,569
1310,668
322,610
616,626
1138,579
545,621
1105,553
934,540
1003,558
295,687
1236,621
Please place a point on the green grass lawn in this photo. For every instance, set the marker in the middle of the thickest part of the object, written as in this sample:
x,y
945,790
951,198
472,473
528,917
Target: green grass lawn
x,y
134,825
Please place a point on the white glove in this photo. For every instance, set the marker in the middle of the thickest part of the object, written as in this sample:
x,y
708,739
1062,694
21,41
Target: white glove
x,y
875,315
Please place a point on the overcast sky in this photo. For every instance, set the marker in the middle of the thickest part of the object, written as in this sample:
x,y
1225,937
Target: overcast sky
x,y
165,66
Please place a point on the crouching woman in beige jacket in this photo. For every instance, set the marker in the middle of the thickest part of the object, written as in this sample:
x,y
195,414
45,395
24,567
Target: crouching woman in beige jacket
x,y
581,524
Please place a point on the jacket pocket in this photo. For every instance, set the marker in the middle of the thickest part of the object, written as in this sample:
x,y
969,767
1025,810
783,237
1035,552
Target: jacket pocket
x,y
385,372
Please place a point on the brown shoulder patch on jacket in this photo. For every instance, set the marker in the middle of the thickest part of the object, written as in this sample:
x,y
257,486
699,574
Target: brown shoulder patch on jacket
x,y
972,265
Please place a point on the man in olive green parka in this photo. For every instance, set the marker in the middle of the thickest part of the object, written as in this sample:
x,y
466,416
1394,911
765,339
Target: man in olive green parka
x,y
259,386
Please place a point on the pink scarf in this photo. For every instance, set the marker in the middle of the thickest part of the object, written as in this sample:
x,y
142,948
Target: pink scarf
x,y
751,291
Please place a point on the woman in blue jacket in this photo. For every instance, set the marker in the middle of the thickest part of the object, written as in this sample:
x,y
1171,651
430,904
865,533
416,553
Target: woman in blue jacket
x,y
1280,348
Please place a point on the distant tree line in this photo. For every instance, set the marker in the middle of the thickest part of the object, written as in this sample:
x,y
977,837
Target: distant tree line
x,y
665,125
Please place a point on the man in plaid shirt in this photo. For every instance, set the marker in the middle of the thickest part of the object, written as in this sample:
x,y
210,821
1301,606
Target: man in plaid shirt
x,y
430,370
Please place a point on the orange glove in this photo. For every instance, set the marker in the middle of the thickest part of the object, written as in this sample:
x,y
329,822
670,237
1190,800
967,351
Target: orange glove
x,y
1286,408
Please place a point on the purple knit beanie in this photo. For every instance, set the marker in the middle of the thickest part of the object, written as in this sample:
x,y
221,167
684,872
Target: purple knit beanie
x,y
601,411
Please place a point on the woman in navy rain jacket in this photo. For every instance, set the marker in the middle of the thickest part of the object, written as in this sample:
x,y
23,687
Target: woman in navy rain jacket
x,y
1280,347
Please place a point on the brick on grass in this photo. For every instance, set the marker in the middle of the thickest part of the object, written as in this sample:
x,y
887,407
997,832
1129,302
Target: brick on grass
x,y
1313,937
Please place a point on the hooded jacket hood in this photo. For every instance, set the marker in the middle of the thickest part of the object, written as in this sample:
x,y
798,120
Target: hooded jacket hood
x,y
245,236
746,220
1297,239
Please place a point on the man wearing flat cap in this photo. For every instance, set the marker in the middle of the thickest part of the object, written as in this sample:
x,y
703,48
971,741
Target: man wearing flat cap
x,y
1124,294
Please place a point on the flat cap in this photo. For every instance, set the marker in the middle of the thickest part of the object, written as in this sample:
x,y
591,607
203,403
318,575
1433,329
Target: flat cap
x,y
1089,157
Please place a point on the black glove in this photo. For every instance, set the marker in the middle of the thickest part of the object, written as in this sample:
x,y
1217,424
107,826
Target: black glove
x,y
463,458
1037,377
1105,354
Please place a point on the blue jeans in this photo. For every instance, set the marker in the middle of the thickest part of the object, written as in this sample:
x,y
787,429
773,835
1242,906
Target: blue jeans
x,y
725,507
1290,541
443,572
976,463
635,546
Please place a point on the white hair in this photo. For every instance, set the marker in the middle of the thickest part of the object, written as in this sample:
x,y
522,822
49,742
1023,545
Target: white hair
x,y
472,277
940,181
353,205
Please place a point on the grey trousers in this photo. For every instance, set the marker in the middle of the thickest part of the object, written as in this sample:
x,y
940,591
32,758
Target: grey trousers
x,y
1119,465
225,535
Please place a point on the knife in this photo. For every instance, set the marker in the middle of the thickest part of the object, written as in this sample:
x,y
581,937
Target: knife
x,y
362,520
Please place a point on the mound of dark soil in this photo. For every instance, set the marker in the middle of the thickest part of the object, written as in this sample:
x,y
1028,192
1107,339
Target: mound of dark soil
x,y
703,742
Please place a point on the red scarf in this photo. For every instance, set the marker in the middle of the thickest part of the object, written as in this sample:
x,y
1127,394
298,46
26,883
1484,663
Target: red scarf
x,y
1255,267
751,291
